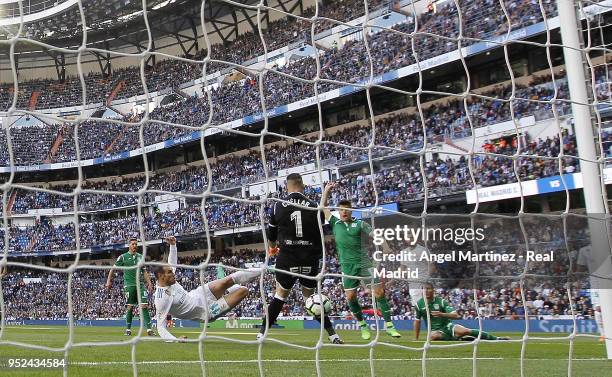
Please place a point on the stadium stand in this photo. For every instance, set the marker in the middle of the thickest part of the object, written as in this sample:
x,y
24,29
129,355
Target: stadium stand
x,y
32,294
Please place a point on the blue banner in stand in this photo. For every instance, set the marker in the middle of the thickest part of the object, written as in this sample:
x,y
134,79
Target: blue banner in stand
x,y
555,183
500,325
183,139
101,248
112,158
496,41
383,210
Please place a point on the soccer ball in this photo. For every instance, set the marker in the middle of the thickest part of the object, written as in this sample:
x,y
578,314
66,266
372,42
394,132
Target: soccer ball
x,y
317,301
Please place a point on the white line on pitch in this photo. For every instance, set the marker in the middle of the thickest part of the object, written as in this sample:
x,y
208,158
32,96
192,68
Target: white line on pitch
x,y
95,363
234,333
33,328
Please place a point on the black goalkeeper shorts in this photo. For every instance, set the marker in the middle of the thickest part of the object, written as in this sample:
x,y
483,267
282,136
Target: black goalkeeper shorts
x,y
304,263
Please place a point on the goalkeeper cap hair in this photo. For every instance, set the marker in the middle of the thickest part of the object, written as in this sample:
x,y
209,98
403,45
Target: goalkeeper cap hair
x,y
295,178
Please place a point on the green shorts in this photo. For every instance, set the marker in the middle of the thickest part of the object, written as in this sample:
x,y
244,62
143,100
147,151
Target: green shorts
x,y
447,332
357,269
131,295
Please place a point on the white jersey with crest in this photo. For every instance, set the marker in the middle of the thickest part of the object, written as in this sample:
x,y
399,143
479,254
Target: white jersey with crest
x,y
182,304
423,266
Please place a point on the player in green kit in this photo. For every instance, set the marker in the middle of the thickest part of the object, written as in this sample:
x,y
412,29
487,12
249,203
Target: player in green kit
x,y
355,261
441,315
129,259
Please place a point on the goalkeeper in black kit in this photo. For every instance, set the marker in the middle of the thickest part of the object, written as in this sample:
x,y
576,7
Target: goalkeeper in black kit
x,y
294,234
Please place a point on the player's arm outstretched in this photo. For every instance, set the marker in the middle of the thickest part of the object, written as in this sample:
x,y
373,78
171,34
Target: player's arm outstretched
x,y
365,227
109,279
418,315
325,199
163,302
173,253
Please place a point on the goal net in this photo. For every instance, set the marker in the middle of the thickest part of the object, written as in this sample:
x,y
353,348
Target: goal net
x,y
473,138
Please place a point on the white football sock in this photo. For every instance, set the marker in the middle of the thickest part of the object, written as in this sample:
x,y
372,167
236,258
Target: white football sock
x,y
242,277
234,287
223,304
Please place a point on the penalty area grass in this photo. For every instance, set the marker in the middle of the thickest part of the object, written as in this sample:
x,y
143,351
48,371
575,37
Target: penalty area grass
x,y
95,354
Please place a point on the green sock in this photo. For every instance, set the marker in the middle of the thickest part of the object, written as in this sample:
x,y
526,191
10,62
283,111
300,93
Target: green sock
x,y
147,317
485,335
383,305
220,272
128,318
356,309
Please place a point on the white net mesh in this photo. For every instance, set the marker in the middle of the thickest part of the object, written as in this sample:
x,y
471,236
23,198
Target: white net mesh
x,y
412,107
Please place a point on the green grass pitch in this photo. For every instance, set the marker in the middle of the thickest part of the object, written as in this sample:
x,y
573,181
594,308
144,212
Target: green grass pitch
x,y
91,357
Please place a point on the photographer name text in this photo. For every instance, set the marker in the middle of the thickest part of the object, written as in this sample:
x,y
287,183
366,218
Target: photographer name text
x,y
407,257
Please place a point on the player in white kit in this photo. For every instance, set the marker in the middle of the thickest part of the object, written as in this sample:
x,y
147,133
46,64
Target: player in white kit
x,y
416,288
206,301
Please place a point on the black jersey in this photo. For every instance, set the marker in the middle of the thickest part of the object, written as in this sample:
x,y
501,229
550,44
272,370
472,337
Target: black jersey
x,y
296,228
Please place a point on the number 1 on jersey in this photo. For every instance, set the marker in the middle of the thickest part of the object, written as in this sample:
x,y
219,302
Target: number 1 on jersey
x,y
296,216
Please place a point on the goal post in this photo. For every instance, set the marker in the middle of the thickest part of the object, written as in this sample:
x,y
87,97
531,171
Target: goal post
x,y
600,267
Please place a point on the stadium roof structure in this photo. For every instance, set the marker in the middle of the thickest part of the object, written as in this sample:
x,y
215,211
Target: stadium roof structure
x,y
115,24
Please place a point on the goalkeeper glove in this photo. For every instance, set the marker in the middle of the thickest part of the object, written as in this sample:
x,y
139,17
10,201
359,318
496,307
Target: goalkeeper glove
x,y
272,251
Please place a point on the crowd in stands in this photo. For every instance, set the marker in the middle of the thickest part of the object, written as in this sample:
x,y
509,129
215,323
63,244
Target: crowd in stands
x,y
169,73
389,50
235,100
402,131
235,170
497,298
402,180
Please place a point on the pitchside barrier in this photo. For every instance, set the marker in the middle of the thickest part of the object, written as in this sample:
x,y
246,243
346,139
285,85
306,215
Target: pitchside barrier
x,y
493,325
585,326
92,322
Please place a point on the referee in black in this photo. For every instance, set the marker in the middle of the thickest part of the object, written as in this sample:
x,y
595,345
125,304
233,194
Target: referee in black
x,y
295,231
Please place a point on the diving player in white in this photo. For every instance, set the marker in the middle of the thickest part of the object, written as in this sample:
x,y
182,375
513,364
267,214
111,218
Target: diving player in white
x,y
416,289
171,298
